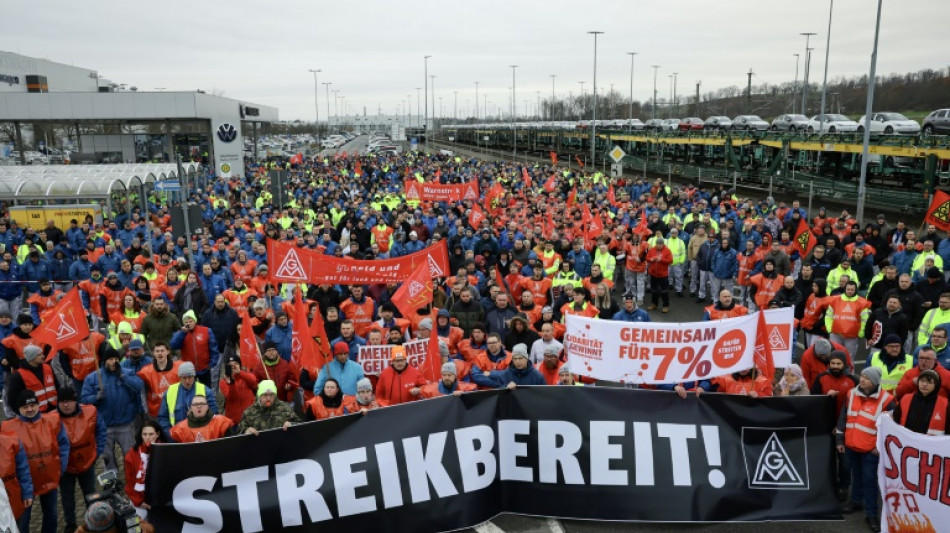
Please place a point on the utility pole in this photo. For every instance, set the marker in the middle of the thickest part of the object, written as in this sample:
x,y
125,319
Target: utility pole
x,y
514,110
675,98
593,128
316,106
418,103
872,78
553,76
655,69
326,85
795,86
748,95
807,64
696,111
456,111
632,55
824,83
425,79
476,102
432,78
538,110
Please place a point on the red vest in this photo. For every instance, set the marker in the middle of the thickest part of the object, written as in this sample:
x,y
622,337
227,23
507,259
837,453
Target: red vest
x,y
216,428
196,348
361,315
81,430
9,447
45,391
83,358
938,422
42,449
718,314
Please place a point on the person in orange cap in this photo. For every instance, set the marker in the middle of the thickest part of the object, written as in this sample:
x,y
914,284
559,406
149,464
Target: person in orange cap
x,y
399,382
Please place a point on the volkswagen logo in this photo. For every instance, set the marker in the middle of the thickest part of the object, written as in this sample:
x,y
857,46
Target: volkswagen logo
x,y
227,132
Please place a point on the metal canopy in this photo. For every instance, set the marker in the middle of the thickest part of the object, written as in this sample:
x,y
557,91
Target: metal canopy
x,y
27,183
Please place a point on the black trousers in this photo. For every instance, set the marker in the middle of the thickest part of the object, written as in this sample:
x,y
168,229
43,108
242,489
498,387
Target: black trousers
x,y
660,288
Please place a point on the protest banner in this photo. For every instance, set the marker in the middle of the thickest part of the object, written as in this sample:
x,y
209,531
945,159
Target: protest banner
x,y
437,192
453,462
653,352
375,359
289,264
914,478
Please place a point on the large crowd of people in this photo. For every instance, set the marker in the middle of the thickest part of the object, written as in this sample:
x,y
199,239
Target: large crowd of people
x,y
162,362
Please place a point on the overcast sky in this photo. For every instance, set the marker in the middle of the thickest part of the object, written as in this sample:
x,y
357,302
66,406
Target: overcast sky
x,y
372,50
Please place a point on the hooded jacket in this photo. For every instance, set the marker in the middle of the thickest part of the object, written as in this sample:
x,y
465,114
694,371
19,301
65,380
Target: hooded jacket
x,y
117,395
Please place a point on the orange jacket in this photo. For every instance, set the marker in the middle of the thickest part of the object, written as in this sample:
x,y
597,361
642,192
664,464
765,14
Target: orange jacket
x,y
550,376
83,356
761,385
432,389
217,427
238,395
860,432
320,412
393,387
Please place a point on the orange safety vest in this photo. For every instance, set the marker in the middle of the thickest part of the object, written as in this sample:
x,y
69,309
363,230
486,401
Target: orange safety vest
x,y
17,344
45,391
589,310
320,411
42,449
718,314
156,383
765,289
382,237
43,302
361,315
83,356
846,320
217,427
747,265
938,421
860,432
9,447
81,430
113,298
245,272
93,289
238,300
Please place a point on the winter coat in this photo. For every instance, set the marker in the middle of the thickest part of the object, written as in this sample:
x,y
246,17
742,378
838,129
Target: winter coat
x,y
223,324
528,376
159,328
117,395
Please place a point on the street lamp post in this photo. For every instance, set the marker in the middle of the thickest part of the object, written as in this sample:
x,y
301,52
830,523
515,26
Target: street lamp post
x,y
432,82
316,107
326,86
633,56
514,127
656,69
456,110
675,100
425,79
553,77
824,83
476,103
418,103
872,78
807,63
669,112
795,86
593,128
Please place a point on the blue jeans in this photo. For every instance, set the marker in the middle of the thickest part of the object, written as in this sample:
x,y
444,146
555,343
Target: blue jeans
x,y
48,501
67,484
864,480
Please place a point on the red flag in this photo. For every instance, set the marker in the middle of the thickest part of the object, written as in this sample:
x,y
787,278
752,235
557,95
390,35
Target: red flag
x,y
572,197
525,176
611,197
65,324
494,194
303,352
553,155
938,213
763,349
438,174
432,369
500,281
416,292
358,169
319,335
551,184
804,239
642,228
593,226
549,227
249,349
344,154
476,217
579,162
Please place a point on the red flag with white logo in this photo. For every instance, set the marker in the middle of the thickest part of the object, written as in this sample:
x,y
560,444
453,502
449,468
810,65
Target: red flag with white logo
x,y
249,350
476,217
416,292
551,184
303,352
65,323
763,349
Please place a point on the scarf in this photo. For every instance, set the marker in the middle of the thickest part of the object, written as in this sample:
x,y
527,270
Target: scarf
x,y
333,402
144,451
195,422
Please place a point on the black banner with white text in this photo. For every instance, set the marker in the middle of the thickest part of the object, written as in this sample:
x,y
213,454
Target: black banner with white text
x,y
453,462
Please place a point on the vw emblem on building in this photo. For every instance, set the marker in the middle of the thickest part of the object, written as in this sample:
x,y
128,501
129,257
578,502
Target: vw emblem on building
x,y
227,132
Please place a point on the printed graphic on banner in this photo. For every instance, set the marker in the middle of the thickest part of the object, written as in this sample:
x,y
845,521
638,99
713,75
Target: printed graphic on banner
x,y
534,450
375,359
288,264
775,458
651,352
913,476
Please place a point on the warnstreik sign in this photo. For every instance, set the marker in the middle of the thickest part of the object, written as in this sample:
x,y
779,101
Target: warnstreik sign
x,y
914,477
289,264
437,192
452,462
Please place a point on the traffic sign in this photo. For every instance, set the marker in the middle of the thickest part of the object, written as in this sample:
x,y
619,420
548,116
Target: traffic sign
x,y
168,186
617,154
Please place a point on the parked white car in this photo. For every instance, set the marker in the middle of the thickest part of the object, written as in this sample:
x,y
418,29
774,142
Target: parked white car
x,y
749,123
890,123
834,123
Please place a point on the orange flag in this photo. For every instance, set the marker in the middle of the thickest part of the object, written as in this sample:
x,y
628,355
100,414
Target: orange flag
x,y
938,213
611,196
432,369
526,177
553,155
303,353
65,324
642,228
593,226
804,239
249,349
763,349
551,184
579,162
572,197
319,335
475,217
416,292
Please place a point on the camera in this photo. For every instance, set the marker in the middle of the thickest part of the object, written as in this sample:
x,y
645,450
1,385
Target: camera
x,y
125,518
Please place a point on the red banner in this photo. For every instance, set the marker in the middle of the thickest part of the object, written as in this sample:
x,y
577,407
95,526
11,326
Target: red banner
x,y
437,192
289,264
